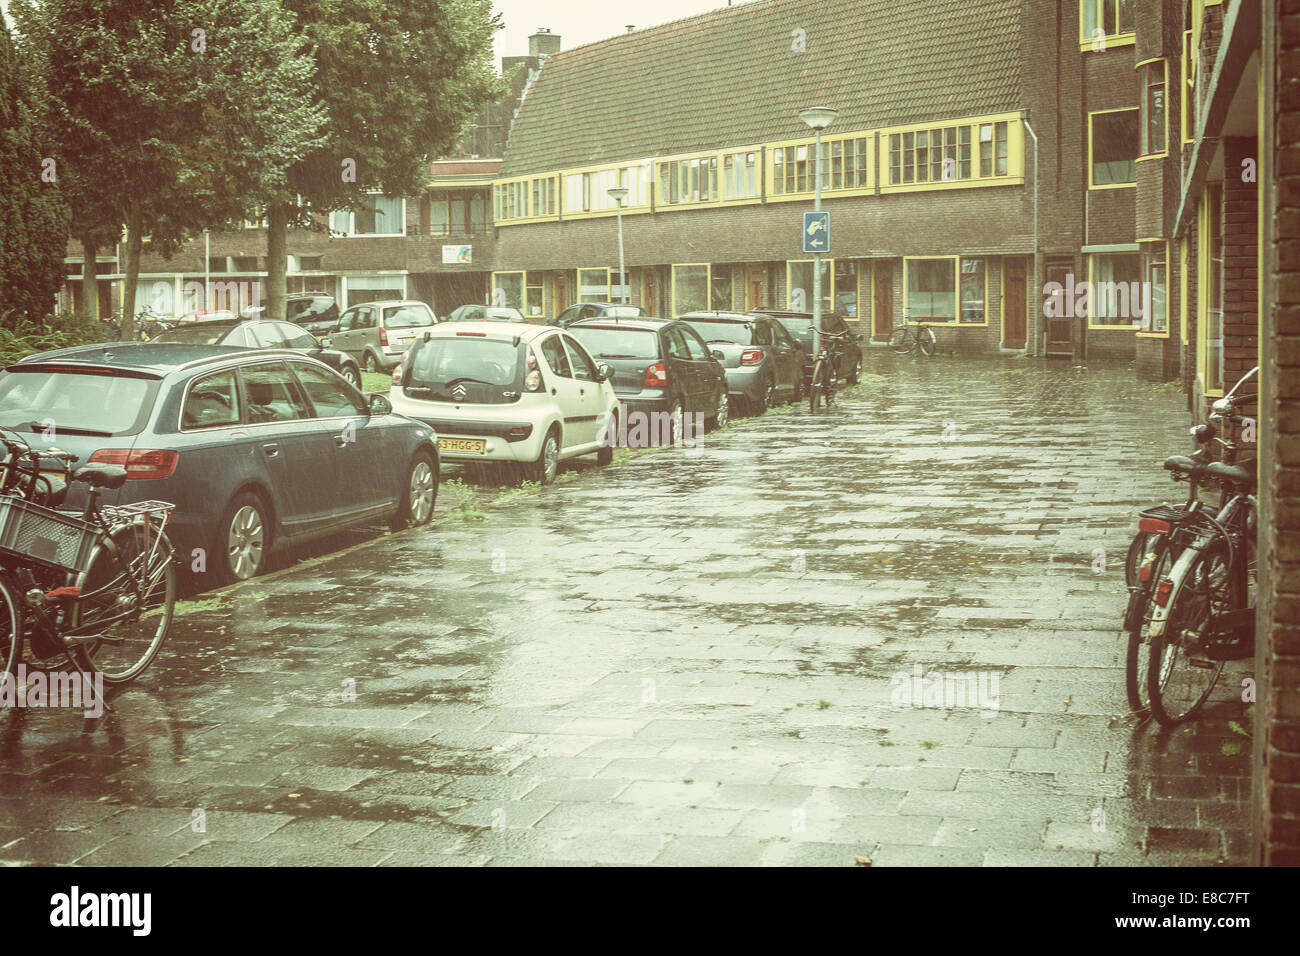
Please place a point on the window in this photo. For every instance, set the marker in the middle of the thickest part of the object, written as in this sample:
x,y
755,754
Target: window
x,y
1155,270
1214,287
556,358
695,347
583,368
1113,138
690,288
799,285
371,288
720,286
846,287
533,294
376,216
1105,19
931,289
265,335
1187,95
212,402
508,289
689,180
593,284
739,175
1116,288
1153,108
330,396
942,155
973,287
273,394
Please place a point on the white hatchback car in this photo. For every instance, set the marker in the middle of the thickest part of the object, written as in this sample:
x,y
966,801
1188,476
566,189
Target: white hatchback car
x,y
507,392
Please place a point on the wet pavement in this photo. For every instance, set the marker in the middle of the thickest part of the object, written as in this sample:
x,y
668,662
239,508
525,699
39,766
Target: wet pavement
x,y
889,632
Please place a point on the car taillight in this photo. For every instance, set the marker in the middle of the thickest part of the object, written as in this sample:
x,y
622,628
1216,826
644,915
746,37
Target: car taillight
x,y
751,356
656,376
1162,591
1153,525
139,464
383,336
397,375
533,381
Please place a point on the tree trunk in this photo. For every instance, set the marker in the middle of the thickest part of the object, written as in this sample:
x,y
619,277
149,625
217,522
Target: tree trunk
x,y
134,240
89,282
277,260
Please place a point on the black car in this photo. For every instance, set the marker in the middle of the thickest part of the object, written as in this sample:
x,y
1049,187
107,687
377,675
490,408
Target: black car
x,y
268,334
592,310
317,312
661,368
485,313
799,325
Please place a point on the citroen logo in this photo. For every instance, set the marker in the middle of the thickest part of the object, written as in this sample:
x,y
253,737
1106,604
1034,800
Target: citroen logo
x,y
458,391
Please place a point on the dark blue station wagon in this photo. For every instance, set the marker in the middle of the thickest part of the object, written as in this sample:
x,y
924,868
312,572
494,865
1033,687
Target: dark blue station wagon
x,y
258,450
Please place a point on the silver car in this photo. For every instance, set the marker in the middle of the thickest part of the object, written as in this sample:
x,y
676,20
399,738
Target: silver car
x,y
377,334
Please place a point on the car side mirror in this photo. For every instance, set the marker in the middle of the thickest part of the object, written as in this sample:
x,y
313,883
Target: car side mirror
x,y
604,372
858,337
379,404
717,354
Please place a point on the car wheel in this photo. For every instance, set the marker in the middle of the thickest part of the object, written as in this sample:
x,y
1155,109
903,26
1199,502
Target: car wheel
x,y
547,464
352,376
243,539
723,414
853,376
764,400
369,363
419,494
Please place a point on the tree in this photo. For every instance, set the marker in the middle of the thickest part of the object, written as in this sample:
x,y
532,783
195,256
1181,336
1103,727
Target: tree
x,y
398,79
175,115
33,217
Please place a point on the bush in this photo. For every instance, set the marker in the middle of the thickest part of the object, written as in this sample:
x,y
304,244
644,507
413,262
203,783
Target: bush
x,y
19,337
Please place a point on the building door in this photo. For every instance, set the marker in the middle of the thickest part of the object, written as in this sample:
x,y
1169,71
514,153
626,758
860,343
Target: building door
x,y
561,293
1060,340
650,292
882,305
756,291
1013,304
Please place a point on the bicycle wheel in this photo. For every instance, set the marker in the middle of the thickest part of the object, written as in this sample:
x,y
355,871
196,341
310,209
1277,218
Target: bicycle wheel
x,y
11,640
815,386
128,631
926,340
1157,557
1179,681
902,340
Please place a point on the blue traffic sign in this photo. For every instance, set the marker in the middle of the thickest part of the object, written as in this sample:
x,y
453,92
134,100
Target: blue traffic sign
x,y
817,232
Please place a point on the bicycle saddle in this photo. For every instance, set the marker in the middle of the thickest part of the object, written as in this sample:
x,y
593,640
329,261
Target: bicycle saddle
x,y
1184,465
101,476
1242,473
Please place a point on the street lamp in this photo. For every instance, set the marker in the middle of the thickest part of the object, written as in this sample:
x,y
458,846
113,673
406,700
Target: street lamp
x,y
618,194
818,118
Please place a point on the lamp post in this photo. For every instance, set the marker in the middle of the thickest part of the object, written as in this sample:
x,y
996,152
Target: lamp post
x,y
618,194
818,118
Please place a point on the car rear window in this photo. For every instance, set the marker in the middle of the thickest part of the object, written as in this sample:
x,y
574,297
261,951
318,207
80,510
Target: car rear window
x,y
623,311
194,335
610,342
797,326
505,315
738,332
486,367
34,399
406,317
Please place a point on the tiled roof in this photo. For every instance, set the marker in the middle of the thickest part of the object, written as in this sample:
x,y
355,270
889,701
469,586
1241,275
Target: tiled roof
x,y
730,77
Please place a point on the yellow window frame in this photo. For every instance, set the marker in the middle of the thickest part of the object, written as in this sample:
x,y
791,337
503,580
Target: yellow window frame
x,y
1092,298
1142,252
1187,95
1109,41
523,288
829,264
1202,291
1182,287
770,167
1094,113
1014,176
1142,125
672,285
578,282
956,274
635,167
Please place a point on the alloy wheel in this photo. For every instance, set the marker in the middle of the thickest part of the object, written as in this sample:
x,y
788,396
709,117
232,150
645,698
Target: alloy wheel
x,y
246,542
421,492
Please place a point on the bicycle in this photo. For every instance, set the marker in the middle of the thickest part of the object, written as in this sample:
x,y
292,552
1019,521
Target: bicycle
x,y
907,338
98,587
1202,610
825,371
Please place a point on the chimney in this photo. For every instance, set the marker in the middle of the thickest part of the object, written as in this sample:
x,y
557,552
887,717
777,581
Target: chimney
x,y
543,43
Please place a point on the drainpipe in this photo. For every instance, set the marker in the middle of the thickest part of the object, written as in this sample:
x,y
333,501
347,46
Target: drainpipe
x,y
1037,263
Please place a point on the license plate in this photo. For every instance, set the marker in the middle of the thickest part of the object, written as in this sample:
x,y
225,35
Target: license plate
x,y
475,446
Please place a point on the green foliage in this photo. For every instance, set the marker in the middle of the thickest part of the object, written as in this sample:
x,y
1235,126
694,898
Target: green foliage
x,y
20,337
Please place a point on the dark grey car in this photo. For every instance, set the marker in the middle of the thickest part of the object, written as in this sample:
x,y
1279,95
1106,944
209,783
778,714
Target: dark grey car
x,y
763,363
257,450
799,325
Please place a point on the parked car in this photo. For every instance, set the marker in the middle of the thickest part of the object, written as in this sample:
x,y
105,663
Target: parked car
x,y
206,315
762,361
257,450
377,334
799,325
505,392
591,310
267,334
485,313
317,312
660,366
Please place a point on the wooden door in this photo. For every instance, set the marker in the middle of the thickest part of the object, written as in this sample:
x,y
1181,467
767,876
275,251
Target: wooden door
x,y
756,294
1013,304
882,303
561,293
1060,327
650,293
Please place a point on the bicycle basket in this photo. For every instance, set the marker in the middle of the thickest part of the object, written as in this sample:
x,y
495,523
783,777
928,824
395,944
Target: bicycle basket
x,y
35,533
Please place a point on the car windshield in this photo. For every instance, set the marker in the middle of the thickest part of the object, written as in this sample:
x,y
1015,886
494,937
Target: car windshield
x,y
795,326
610,342
295,310
738,332
193,335
74,402
406,317
444,361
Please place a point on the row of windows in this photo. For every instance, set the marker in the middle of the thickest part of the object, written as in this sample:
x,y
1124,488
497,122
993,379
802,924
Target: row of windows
x,y
844,166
